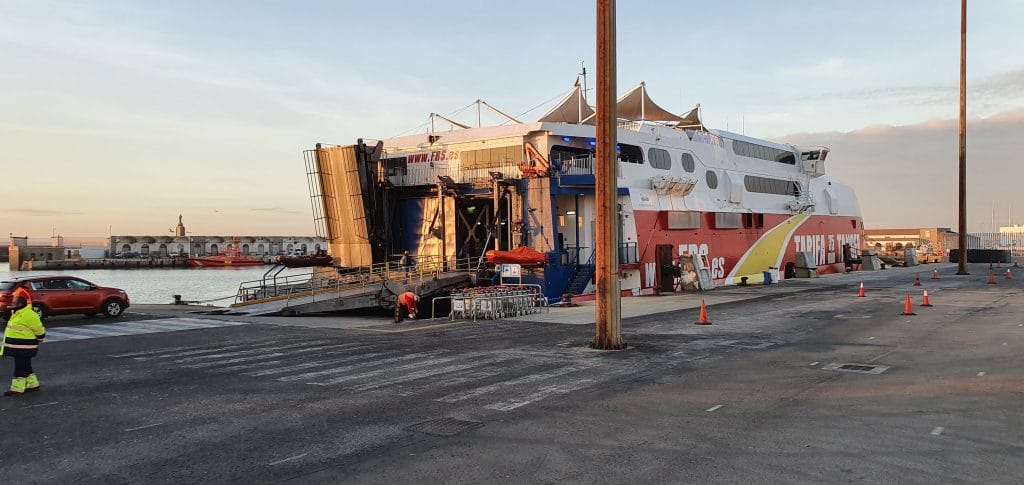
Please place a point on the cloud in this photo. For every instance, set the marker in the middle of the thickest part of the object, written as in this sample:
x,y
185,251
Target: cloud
x,y
996,91
42,212
907,176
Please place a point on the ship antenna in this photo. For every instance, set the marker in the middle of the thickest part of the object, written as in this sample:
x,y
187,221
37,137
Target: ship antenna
x,y
583,72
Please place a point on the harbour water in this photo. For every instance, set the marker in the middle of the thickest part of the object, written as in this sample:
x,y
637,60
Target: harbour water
x,y
148,286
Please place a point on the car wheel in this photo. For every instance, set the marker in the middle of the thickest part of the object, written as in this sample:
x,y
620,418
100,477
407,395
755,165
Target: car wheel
x,y
113,308
40,310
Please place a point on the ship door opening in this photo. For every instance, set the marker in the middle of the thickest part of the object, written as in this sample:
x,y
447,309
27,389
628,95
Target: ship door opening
x,y
474,229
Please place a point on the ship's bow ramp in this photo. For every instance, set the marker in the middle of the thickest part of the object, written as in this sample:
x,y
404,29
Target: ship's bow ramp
x,y
336,183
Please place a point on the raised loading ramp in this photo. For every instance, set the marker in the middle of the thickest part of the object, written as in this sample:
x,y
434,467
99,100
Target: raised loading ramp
x,y
333,290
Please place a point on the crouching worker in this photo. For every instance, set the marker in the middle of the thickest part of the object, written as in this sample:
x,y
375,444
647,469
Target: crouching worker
x,y
406,304
21,341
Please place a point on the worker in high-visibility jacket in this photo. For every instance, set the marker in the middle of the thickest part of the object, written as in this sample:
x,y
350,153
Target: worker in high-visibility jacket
x,y
21,341
407,303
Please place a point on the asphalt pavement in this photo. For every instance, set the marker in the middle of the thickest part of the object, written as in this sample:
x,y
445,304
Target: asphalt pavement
x,y
802,382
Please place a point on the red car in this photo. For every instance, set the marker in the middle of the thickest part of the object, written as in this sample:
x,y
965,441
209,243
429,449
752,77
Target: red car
x,y
62,295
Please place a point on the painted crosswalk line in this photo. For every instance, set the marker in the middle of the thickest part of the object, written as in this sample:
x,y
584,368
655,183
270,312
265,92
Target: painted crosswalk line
x,y
489,380
138,327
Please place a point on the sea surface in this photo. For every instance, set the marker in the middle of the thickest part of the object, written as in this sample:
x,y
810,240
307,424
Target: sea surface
x,y
147,286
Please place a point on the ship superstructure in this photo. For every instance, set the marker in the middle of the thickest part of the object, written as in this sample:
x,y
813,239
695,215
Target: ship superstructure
x,y
742,205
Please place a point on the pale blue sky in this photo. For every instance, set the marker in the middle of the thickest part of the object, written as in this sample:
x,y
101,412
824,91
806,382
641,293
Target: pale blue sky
x,y
126,113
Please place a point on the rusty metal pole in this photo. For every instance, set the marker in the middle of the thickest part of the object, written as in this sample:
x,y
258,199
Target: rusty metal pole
x,y
962,268
607,333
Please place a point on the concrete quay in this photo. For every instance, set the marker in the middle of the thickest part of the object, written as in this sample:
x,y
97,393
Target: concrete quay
x,y
801,382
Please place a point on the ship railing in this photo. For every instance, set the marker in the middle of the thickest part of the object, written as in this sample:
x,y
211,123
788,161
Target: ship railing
x,y
630,125
576,166
325,281
460,173
570,255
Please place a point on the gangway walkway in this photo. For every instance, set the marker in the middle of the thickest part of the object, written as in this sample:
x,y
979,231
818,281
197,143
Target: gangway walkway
x,y
336,289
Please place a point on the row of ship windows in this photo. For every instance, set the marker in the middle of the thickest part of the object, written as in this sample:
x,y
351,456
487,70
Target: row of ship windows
x,y
718,220
759,185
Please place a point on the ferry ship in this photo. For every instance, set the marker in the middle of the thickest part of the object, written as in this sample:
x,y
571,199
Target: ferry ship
x,y
745,207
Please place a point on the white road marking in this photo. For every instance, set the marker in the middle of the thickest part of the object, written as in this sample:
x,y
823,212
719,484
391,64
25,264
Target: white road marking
x,y
433,386
430,372
543,393
815,363
41,405
375,373
120,329
206,349
143,427
342,370
261,349
234,361
714,408
938,430
871,338
86,331
479,391
310,365
981,374
236,368
158,351
278,462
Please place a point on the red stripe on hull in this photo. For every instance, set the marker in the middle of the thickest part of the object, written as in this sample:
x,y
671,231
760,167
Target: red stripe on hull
x,y
725,247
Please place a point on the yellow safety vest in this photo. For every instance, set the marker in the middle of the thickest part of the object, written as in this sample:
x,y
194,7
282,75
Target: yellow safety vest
x,y
24,331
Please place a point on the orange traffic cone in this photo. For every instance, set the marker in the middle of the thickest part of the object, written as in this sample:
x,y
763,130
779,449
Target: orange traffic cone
x,y
991,277
861,294
703,314
1009,275
907,308
917,279
926,302
935,274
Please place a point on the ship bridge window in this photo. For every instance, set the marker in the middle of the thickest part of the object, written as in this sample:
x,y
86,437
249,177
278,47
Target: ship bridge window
x,y
630,153
712,179
766,185
492,157
659,158
753,150
688,164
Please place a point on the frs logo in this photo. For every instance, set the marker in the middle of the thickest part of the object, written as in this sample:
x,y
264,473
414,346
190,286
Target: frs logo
x,y
717,264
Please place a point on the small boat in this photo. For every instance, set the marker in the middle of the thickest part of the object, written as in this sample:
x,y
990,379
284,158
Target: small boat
x,y
229,258
305,261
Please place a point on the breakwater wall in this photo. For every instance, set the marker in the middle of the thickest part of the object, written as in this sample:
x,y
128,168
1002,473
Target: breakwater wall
x,y
105,263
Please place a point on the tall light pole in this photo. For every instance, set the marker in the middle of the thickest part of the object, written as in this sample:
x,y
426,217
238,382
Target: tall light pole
x,y
607,334
962,268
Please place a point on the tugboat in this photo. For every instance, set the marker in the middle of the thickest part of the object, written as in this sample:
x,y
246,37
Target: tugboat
x,y
231,257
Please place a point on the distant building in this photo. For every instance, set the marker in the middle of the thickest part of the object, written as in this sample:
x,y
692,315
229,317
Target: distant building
x,y
20,251
927,240
183,245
